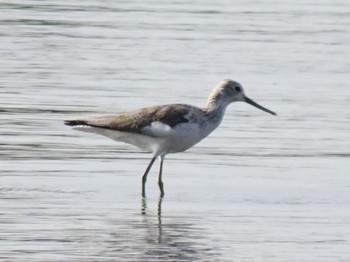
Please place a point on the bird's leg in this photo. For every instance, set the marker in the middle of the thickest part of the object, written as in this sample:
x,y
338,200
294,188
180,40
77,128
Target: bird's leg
x,y
144,176
160,181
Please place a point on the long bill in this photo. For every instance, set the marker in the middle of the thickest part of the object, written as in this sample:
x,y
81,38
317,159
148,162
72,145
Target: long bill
x,y
250,101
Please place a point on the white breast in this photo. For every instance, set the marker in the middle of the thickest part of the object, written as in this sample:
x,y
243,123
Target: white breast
x,y
184,136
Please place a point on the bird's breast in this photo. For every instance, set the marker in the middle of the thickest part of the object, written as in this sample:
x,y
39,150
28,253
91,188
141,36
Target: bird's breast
x,y
184,136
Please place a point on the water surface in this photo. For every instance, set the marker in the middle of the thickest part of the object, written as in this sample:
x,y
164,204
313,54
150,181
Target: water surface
x,y
260,188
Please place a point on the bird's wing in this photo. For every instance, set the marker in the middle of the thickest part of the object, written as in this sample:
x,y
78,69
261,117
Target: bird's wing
x,y
152,121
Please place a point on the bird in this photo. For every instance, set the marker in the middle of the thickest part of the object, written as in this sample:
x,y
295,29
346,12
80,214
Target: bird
x,y
167,129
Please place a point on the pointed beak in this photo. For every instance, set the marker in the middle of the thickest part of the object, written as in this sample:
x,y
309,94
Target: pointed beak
x,y
249,101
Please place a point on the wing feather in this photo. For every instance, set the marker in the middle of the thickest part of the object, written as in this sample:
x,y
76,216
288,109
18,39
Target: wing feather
x,y
136,121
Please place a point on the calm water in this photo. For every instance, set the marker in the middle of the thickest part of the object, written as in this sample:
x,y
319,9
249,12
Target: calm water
x,y
260,188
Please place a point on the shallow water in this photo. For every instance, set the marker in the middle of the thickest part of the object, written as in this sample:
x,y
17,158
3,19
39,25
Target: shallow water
x,y
260,188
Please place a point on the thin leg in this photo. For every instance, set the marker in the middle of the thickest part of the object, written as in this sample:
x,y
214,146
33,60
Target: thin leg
x,y
144,176
160,181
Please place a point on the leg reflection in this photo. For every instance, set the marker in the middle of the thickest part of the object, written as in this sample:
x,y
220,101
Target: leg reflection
x,y
148,218
160,219
144,207
167,235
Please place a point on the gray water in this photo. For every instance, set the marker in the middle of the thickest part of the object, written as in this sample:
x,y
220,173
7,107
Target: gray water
x,y
260,188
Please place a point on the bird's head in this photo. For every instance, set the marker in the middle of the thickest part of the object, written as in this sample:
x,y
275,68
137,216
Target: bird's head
x,y
228,91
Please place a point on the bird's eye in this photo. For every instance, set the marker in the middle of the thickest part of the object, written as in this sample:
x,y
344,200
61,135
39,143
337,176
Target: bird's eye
x,y
237,88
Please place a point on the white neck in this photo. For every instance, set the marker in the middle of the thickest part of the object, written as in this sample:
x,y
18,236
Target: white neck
x,y
216,107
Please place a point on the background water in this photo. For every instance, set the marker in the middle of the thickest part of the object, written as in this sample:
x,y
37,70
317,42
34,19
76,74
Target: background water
x,y
260,188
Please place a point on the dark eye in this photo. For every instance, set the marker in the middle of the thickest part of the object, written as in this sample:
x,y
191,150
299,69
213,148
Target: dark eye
x,y
237,88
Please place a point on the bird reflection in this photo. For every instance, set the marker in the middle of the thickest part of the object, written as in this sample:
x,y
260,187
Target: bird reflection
x,y
159,215
167,237
175,238
144,207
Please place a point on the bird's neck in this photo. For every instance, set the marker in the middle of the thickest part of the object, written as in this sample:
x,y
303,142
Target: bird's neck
x,y
216,107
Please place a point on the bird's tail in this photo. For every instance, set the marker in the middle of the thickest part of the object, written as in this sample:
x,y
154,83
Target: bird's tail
x,y
75,122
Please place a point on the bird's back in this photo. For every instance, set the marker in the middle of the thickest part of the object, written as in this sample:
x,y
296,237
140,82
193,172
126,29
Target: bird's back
x,y
136,121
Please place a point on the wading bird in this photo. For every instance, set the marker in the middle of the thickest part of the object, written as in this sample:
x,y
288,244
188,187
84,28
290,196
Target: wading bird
x,y
167,129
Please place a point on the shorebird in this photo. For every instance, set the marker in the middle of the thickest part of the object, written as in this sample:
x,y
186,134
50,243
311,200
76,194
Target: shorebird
x,y
167,129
